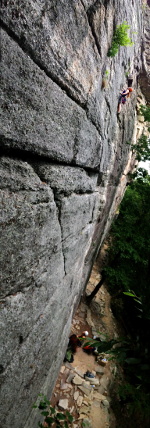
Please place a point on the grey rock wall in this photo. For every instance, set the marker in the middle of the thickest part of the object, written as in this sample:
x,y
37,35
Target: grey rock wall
x,y
64,153
144,75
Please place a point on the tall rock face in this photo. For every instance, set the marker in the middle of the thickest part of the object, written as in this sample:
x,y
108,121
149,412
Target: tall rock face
x,y
144,77
63,171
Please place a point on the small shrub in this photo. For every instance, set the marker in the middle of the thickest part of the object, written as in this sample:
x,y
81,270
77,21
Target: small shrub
x,y
51,415
114,49
120,38
106,74
86,424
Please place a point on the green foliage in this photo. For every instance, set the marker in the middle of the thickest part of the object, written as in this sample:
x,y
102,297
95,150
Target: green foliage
x,y
127,72
126,352
120,38
145,111
142,148
68,355
136,399
106,73
140,174
131,405
130,252
86,424
134,392
128,275
113,50
51,415
133,295
102,346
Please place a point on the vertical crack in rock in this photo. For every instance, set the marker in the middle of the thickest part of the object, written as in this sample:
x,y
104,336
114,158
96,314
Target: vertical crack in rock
x,y
75,149
57,203
58,210
92,216
108,104
8,141
90,13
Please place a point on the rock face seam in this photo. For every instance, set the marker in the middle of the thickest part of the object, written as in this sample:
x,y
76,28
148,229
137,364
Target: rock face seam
x,y
58,206
89,16
30,157
79,123
28,51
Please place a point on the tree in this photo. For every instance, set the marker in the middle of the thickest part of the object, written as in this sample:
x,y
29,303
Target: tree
x,y
128,277
96,289
129,258
145,110
142,148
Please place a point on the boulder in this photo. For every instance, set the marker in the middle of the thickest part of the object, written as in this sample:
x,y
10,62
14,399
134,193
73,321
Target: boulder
x,y
63,404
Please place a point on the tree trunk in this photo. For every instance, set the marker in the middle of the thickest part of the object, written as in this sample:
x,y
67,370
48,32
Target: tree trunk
x,y
96,289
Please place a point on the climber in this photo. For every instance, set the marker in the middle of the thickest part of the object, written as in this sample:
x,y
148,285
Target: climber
x,y
73,344
123,97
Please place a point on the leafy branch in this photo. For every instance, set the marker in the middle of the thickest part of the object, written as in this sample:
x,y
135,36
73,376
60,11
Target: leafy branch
x,y
142,148
120,38
145,111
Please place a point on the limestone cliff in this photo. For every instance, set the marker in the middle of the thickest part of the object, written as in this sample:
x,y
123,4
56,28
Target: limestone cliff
x,y
63,171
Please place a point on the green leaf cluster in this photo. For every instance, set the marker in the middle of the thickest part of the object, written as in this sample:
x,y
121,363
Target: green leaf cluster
x,y
106,74
145,111
136,399
102,346
128,276
129,256
142,148
128,279
51,415
120,38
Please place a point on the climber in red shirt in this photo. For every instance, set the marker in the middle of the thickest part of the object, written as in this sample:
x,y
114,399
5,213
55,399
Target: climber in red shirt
x,y
123,97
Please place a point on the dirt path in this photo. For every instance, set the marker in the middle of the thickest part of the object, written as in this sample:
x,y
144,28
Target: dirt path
x,y
89,404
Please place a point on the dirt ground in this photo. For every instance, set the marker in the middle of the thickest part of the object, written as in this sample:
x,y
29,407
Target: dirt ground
x,y
90,404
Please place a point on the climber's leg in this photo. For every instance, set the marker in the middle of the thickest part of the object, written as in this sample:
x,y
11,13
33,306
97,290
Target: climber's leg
x,y
119,108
